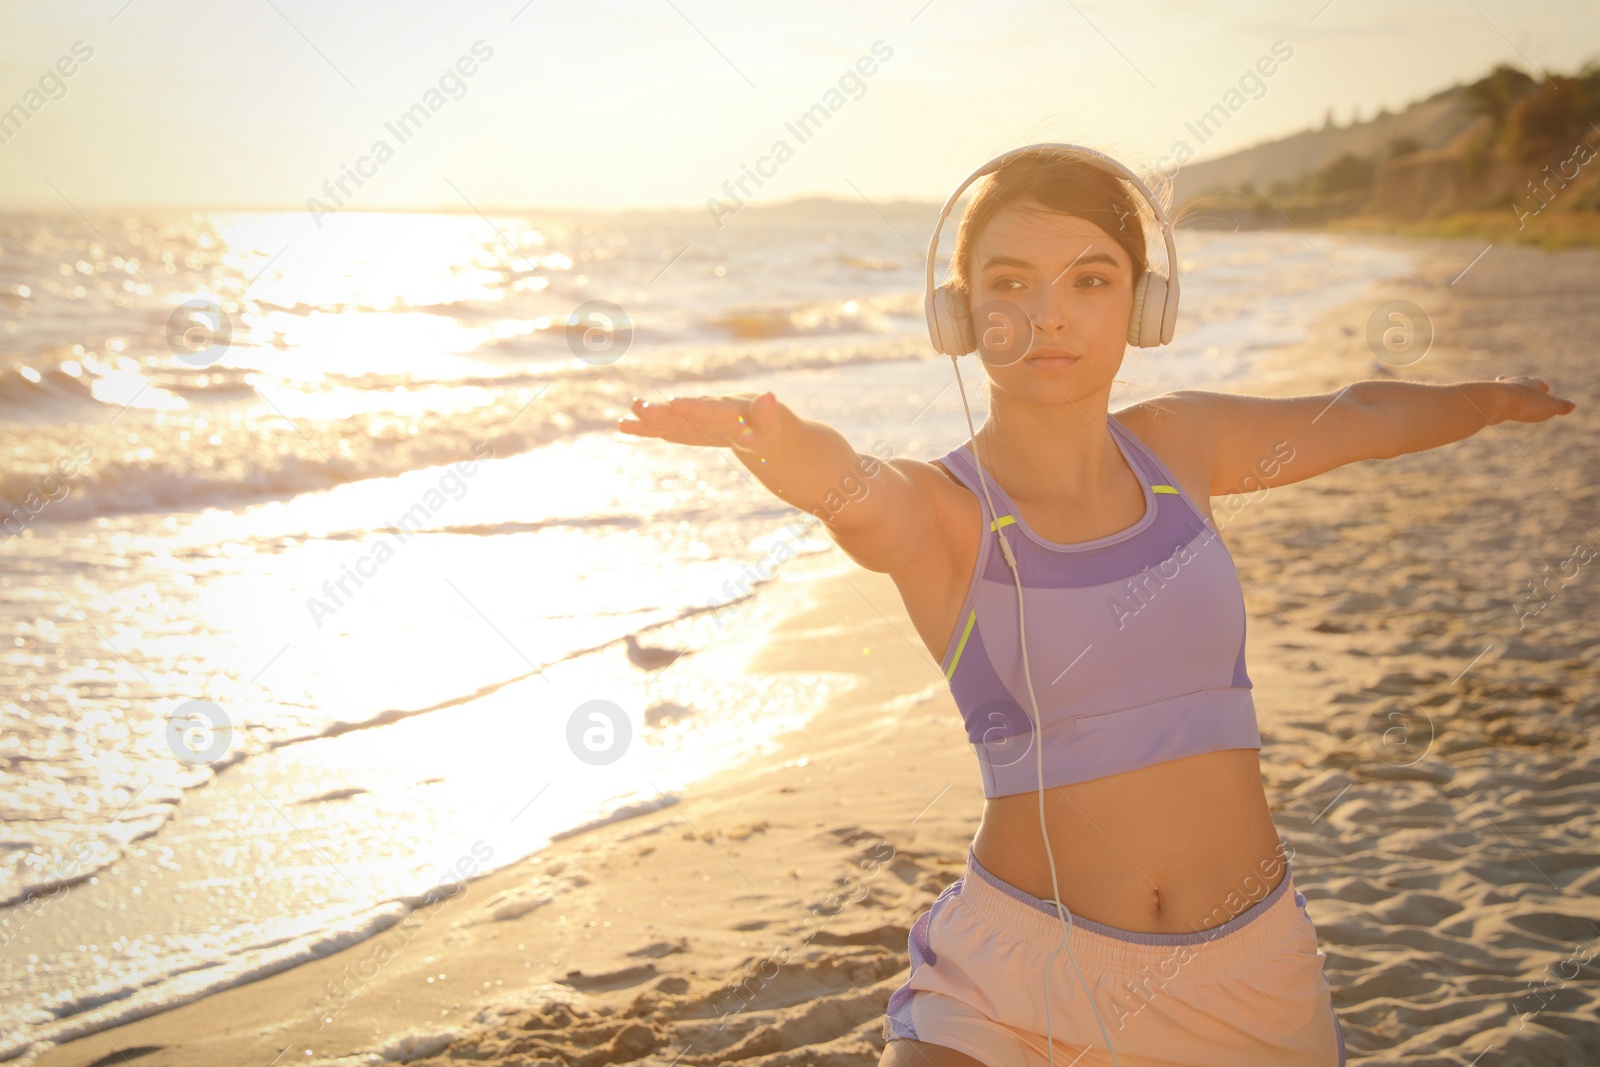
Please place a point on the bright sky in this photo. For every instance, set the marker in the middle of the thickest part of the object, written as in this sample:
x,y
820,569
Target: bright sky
x,y
615,103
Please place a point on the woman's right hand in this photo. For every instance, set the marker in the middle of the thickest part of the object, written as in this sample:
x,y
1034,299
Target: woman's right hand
x,y
742,422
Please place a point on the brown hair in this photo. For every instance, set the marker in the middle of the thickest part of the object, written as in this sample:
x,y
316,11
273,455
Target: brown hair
x,y
1058,181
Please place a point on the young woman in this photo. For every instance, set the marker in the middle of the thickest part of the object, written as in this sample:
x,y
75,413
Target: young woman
x,y
1188,942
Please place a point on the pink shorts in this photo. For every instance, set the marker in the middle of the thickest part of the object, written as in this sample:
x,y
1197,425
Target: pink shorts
x,y
1247,993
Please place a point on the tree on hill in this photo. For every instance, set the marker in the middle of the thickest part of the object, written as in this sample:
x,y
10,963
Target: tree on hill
x,y
1349,174
1345,174
1403,146
1494,94
1553,117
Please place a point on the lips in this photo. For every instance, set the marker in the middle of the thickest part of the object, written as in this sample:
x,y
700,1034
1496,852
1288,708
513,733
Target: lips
x,y
1057,357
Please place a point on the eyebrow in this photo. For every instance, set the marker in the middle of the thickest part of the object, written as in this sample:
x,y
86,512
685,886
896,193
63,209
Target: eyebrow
x,y
1012,261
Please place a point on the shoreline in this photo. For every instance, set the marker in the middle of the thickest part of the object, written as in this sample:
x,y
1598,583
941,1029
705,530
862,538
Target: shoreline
x,y
1551,232
652,938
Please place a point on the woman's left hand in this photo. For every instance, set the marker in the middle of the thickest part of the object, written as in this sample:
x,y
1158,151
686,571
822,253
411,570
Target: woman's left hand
x,y
1529,400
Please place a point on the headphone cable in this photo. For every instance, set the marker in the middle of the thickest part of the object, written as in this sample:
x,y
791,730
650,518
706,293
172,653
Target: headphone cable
x,y
1063,916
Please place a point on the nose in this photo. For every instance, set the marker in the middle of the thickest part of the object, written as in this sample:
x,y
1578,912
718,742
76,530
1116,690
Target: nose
x,y
1049,311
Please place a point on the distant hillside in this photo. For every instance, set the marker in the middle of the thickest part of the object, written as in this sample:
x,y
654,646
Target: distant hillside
x,y
1430,123
1507,154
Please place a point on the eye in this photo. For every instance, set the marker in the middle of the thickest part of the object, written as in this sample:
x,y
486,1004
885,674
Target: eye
x,y
1100,281
1006,283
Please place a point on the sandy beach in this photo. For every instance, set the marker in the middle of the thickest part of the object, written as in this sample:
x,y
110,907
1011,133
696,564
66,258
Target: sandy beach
x,y
1423,647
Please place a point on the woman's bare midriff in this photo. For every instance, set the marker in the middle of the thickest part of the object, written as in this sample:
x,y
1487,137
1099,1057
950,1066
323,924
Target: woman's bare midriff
x,y
1170,848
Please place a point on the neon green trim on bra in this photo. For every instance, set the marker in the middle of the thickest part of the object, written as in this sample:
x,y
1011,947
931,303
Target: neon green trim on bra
x,y
966,632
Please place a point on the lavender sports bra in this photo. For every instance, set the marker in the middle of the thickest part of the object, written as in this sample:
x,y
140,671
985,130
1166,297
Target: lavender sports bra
x,y
1135,640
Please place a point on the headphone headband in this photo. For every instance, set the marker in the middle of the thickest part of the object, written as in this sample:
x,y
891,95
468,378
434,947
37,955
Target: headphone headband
x,y
945,323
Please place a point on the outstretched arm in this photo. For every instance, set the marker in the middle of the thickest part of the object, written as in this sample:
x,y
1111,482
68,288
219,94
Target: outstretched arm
x,y
1372,419
877,511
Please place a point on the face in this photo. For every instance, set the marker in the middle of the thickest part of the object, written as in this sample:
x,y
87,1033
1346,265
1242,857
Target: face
x,y
1075,284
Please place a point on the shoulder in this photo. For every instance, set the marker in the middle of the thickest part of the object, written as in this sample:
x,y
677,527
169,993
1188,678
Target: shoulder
x,y
1180,428
946,542
951,498
947,477
897,517
932,474
957,513
1181,418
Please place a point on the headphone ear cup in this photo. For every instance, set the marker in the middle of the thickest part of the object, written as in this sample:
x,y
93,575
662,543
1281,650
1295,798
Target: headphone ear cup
x,y
953,320
961,311
1141,291
1149,302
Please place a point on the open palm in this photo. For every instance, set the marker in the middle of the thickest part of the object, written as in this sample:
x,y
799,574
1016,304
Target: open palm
x,y
746,422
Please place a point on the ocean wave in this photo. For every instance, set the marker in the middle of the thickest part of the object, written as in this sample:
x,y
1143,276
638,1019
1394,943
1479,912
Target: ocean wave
x,y
65,388
175,460
24,388
201,965
494,529
803,320
187,976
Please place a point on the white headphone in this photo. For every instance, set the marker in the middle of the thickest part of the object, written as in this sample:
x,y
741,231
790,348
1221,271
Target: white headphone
x,y
1154,317
1155,296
